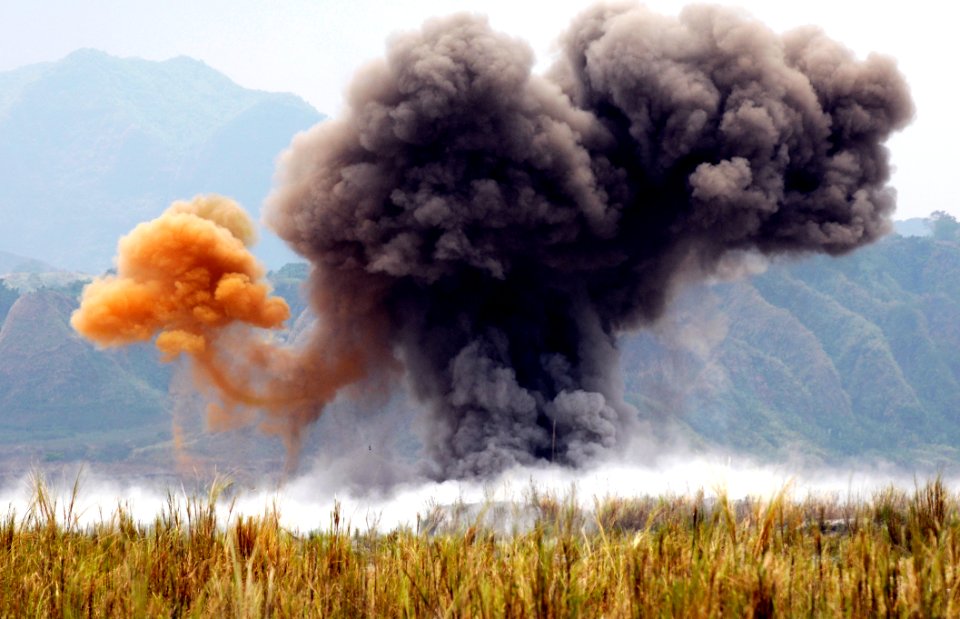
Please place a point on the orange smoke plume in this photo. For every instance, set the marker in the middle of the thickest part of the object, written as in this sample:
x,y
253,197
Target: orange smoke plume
x,y
188,279
182,277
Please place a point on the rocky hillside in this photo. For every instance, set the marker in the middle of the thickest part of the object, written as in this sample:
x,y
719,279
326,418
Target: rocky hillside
x,y
830,358
63,398
54,385
851,356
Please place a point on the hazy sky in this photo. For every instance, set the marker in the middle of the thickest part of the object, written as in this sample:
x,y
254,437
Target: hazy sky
x,y
312,47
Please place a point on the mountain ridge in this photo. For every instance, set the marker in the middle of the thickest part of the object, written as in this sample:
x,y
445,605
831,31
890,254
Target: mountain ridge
x,y
93,144
851,357
837,359
855,356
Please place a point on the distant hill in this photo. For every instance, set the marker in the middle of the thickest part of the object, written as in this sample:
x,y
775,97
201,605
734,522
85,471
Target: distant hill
x,y
54,385
8,296
855,357
915,226
62,397
832,357
12,263
92,145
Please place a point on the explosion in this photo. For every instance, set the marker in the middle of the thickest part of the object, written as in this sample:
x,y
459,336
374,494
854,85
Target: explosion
x,y
183,277
188,279
492,230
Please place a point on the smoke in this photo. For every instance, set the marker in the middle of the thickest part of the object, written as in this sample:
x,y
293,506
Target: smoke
x,y
183,276
490,232
494,230
303,509
188,279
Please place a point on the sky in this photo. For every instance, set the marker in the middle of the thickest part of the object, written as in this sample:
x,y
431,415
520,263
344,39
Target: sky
x,y
313,47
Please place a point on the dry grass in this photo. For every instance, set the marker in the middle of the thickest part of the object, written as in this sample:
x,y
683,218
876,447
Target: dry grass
x,y
894,554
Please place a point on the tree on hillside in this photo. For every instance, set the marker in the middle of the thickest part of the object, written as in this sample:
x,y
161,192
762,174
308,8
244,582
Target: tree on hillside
x,y
945,226
7,298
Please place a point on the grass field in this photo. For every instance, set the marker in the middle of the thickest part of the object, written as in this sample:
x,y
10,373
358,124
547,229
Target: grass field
x,y
896,553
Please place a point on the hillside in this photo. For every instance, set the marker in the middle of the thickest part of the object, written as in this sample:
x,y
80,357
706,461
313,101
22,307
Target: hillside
x,y
856,357
63,398
12,263
92,145
54,385
915,226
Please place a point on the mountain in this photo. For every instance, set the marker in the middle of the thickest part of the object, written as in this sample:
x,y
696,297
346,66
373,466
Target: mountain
x,y
915,226
8,296
12,263
54,385
61,397
857,356
92,145
834,358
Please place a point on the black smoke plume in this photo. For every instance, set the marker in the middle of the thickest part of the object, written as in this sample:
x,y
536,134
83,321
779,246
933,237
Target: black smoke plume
x,y
495,229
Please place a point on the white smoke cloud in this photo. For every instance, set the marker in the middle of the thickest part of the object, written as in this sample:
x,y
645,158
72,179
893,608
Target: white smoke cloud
x,y
303,509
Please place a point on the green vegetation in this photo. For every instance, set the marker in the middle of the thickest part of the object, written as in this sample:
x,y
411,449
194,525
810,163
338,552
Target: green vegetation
x,y
48,375
852,357
896,554
7,298
856,356
944,226
288,282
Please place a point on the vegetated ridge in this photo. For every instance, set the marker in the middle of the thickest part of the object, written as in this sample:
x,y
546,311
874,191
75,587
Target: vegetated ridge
x,y
856,357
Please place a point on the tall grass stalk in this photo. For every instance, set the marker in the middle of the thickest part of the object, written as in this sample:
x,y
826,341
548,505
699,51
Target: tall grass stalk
x,y
893,554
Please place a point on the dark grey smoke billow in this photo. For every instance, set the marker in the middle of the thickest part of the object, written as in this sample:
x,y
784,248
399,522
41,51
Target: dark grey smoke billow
x,y
500,228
